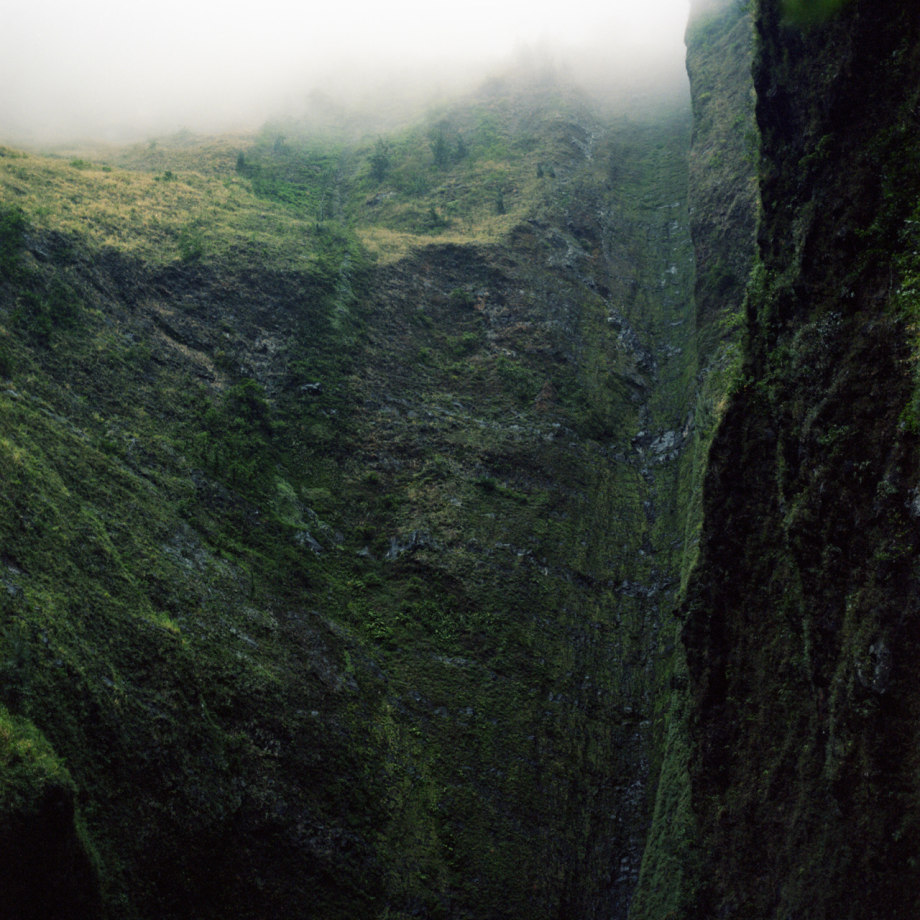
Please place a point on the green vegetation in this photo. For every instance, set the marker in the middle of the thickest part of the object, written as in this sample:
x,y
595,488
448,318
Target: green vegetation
x,y
379,160
336,522
48,867
810,12
28,764
12,227
794,610
469,174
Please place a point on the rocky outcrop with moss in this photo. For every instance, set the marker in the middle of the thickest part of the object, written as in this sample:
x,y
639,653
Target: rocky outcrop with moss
x,y
801,617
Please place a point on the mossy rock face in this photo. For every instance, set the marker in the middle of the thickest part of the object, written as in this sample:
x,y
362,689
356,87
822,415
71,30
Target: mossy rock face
x,y
801,616
338,572
45,868
723,216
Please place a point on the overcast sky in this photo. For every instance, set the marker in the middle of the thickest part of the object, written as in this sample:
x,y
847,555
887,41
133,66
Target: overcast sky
x,y
96,66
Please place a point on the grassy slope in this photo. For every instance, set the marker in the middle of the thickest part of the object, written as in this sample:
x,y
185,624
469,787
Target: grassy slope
x,y
378,645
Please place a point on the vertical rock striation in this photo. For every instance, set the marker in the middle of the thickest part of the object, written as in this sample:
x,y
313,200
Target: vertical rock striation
x,y
801,628
722,203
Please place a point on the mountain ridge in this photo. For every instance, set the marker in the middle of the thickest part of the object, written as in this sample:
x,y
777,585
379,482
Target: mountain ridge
x,y
320,497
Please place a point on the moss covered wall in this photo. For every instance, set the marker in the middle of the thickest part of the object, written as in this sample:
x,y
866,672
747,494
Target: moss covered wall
x,y
802,616
345,512
338,544
723,204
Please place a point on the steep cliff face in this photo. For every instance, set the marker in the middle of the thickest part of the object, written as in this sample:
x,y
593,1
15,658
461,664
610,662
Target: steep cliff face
x,y
802,617
348,492
338,531
723,162
722,202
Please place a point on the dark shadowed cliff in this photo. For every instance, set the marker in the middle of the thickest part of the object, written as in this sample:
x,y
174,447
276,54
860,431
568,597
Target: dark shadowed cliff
x,y
722,202
802,617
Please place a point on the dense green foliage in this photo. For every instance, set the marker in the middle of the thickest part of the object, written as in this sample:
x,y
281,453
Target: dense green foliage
x,y
810,12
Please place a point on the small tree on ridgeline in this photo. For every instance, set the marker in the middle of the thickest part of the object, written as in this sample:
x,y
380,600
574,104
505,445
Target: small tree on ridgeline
x,y
440,149
380,160
461,150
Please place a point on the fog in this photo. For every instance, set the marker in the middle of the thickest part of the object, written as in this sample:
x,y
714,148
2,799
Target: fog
x,y
124,70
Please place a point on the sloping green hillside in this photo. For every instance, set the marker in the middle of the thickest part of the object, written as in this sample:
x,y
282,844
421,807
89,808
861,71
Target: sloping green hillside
x,y
339,519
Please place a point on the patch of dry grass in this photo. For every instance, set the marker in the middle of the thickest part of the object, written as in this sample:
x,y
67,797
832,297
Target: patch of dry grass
x,y
144,213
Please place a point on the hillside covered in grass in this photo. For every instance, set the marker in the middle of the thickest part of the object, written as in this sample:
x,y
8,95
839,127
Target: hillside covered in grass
x,y
339,527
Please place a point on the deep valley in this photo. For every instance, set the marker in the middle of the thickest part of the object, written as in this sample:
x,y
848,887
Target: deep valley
x,y
514,514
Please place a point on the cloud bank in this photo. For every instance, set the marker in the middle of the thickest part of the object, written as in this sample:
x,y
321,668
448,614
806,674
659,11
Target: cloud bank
x,y
121,70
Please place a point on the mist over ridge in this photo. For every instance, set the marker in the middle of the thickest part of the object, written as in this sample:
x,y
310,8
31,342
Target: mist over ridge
x,y
118,75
